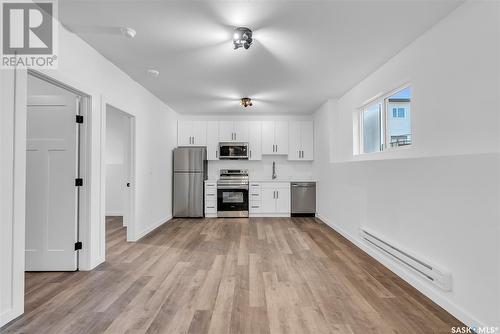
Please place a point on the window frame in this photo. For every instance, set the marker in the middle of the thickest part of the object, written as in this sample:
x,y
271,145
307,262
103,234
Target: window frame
x,y
383,100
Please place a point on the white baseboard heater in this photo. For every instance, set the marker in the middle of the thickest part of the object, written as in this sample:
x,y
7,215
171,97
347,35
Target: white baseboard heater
x,y
430,272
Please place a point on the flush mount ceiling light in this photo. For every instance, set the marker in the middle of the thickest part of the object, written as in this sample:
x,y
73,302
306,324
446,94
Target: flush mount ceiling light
x,y
242,37
153,73
128,32
246,102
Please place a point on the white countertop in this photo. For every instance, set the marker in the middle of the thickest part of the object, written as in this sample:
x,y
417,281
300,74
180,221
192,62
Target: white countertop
x,y
282,179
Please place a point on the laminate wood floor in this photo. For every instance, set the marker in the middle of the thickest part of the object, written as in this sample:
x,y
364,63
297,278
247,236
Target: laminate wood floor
x,y
286,275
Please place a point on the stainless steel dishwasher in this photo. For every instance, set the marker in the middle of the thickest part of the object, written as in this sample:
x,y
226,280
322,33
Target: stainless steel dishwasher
x,y
303,199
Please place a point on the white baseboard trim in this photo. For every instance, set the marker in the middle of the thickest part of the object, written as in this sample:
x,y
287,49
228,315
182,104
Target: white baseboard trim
x,y
10,315
148,230
269,215
424,287
114,214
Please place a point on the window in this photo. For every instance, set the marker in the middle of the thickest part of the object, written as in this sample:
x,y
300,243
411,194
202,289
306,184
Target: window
x,y
371,129
386,122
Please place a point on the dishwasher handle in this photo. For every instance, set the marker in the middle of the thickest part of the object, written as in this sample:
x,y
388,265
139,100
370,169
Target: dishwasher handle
x,y
304,184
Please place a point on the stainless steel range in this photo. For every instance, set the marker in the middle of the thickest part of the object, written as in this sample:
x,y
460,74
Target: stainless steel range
x,y
232,193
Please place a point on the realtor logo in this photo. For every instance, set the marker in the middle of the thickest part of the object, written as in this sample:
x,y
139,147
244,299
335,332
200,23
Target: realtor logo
x,y
29,33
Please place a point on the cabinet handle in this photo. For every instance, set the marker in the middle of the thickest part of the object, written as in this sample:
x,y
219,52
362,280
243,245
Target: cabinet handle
x,y
250,153
276,148
277,194
255,207
210,207
274,194
216,153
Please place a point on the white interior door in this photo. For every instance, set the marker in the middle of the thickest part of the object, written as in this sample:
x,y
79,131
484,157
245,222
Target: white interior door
x,y
127,183
51,194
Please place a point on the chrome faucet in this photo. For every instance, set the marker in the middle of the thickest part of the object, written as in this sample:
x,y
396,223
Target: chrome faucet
x,y
274,170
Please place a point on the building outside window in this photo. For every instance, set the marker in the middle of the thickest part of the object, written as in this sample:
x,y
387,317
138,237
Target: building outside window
x,y
386,122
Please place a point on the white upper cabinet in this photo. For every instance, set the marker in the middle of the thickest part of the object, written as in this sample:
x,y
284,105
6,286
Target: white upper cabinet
x,y
307,140
301,140
199,133
184,133
254,140
275,137
191,133
281,137
268,137
241,131
213,140
236,131
226,131
292,138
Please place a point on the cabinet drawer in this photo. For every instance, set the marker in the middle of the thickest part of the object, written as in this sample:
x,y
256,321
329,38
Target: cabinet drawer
x,y
254,187
254,206
210,193
210,206
254,196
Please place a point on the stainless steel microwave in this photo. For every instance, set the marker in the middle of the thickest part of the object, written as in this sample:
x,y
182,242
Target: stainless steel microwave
x,y
233,150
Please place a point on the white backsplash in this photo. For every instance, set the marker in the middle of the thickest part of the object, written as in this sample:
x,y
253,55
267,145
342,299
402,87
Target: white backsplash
x,y
263,169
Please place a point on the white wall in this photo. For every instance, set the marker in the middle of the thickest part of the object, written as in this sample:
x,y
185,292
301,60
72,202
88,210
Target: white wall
x,y
117,139
440,198
85,69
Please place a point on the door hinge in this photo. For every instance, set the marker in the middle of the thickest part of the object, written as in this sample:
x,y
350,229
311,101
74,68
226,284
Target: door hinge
x,y
78,182
79,119
78,245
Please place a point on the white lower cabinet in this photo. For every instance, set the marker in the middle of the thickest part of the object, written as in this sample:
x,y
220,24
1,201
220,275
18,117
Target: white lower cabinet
x,y
210,199
269,199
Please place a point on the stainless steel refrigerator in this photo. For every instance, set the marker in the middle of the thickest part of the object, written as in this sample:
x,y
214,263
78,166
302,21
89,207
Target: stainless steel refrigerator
x,y
190,171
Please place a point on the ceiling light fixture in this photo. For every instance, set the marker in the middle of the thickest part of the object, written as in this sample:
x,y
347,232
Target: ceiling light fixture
x,y
246,102
242,37
153,73
128,32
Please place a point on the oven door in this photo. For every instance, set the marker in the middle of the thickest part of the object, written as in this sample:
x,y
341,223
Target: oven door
x,y
232,201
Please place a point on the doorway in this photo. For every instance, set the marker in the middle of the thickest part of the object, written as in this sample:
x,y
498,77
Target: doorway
x,y
53,176
119,169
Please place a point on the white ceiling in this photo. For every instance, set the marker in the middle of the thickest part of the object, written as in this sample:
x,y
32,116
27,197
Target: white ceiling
x,y
304,51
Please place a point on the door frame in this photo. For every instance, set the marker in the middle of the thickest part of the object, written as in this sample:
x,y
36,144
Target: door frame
x,y
129,211
83,164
